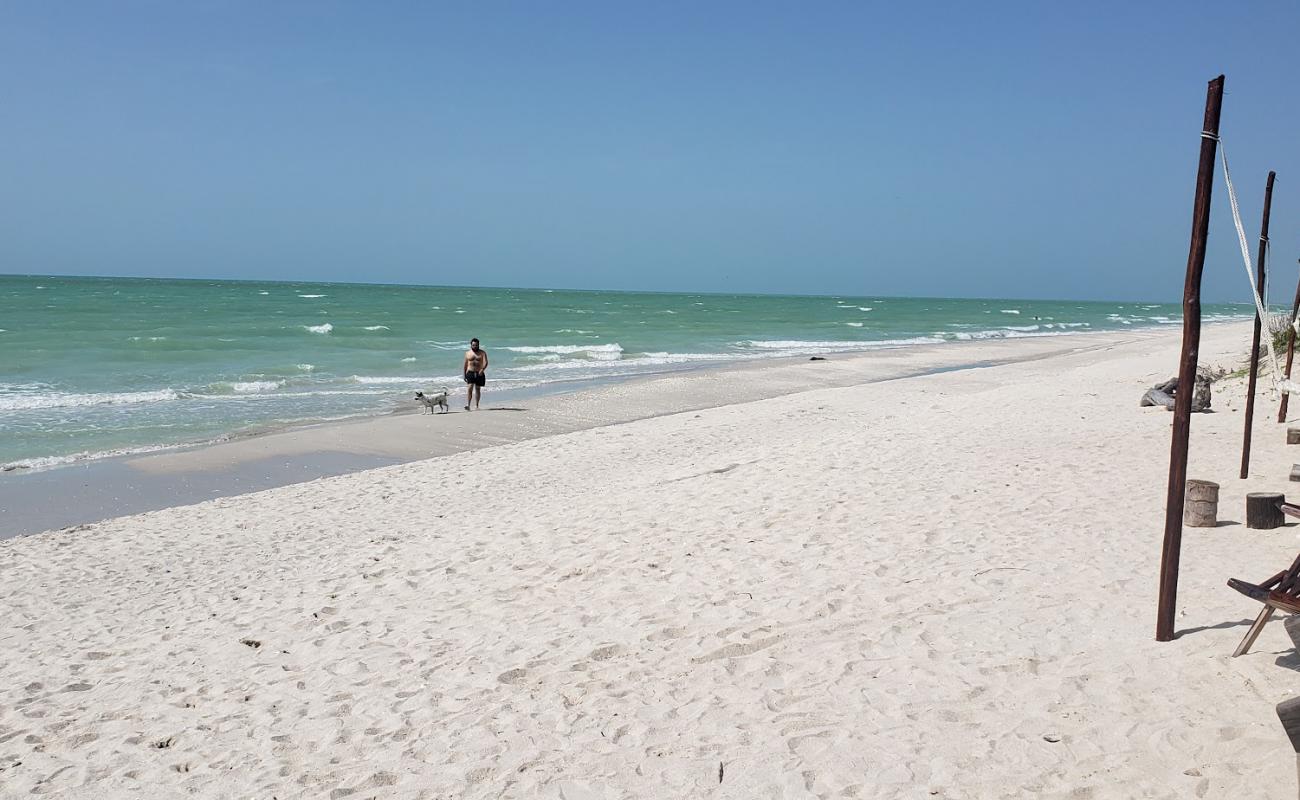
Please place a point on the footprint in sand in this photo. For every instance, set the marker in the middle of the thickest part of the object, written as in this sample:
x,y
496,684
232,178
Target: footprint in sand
x,y
605,653
738,649
667,633
513,676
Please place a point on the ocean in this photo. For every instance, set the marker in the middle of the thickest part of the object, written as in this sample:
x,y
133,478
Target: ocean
x,y
94,367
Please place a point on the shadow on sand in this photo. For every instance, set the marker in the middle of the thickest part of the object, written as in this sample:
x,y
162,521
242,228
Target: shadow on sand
x,y
1222,626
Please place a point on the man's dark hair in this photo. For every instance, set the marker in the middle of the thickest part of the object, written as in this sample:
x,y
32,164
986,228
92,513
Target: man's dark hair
x,y
473,341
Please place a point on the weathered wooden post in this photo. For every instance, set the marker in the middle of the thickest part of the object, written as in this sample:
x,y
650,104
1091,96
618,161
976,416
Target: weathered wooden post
x,y
1187,365
1254,347
1290,352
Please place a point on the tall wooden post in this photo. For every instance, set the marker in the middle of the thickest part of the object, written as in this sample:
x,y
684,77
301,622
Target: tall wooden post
x,y
1187,365
1290,351
1254,346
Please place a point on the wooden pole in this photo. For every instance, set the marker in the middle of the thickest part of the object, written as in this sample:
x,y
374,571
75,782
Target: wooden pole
x,y
1290,351
1254,346
1187,365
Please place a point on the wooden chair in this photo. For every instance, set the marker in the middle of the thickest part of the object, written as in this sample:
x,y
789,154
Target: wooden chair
x,y
1279,593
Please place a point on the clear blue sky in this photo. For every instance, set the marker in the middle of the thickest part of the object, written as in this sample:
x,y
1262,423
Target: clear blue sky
x,y
966,149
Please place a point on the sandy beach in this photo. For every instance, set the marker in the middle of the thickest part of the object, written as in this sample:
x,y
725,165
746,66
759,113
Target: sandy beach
x,y
933,581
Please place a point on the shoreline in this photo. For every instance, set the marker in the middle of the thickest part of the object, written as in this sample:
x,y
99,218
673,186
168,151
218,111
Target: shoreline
x,y
98,489
395,406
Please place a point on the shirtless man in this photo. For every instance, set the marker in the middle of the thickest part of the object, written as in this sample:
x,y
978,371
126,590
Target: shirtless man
x,y
475,367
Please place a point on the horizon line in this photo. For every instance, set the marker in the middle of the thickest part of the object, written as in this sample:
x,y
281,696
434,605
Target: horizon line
x,y
4,275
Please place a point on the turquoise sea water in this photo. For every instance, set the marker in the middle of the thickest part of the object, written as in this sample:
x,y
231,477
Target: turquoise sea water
x,y
98,366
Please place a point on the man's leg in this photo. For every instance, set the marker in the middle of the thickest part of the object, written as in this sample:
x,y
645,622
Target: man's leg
x,y
478,396
469,395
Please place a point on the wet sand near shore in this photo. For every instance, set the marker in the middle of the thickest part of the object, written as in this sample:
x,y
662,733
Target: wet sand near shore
x,y
84,493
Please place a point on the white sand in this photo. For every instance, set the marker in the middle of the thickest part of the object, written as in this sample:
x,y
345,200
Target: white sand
x,y
938,586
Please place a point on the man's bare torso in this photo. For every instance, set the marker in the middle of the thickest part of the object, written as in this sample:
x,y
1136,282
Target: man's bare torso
x,y
474,362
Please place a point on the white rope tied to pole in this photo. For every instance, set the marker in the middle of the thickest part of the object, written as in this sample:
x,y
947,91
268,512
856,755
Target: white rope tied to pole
x,y
1279,385
1268,273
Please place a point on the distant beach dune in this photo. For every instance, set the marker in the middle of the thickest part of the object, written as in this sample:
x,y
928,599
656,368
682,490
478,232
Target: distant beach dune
x,y
939,585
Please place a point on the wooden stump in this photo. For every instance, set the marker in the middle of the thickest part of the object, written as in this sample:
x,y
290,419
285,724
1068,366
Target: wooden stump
x,y
1262,512
1201,509
1295,472
1293,435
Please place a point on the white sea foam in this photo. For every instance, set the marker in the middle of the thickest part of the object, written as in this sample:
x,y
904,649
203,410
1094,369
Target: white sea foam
x,y
595,352
27,402
254,387
554,363
865,308
311,296
378,328
1023,328
1010,311
408,360
799,346
305,367
264,293
23,387
45,462
854,324
1001,333
326,328
673,358
387,380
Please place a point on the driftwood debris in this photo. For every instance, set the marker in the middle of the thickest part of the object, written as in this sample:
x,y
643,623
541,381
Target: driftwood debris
x,y
1164,394
1201,508
1263,510
1292,434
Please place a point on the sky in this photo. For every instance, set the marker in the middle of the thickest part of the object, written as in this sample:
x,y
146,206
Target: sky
x,y
1036,150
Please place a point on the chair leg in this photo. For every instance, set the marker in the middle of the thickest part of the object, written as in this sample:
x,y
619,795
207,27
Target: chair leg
x,y
1253,633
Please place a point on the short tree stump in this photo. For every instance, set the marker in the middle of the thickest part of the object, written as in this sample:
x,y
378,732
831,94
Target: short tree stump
x,y
1262,512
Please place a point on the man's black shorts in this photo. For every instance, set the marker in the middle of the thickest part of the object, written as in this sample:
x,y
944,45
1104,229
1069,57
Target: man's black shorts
x,y
475,378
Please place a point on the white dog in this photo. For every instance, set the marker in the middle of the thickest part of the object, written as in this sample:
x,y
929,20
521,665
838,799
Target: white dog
x,y
437,399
